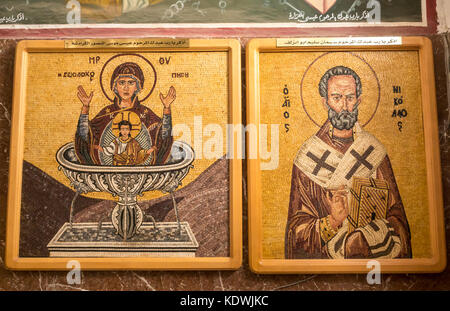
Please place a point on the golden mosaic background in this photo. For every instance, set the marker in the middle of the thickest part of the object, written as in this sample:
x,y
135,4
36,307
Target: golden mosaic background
x,y
53,108
405,148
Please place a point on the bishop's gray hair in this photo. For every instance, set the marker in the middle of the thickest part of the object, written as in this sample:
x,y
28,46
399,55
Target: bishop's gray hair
x,y
338,71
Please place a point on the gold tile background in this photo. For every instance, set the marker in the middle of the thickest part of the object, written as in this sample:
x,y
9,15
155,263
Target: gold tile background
x,y
405,149
53,108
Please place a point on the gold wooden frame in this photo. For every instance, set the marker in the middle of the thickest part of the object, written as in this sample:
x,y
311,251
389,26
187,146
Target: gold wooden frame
x,y
12,259
437,229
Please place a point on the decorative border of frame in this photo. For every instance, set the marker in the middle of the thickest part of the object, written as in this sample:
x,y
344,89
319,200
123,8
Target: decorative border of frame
x,y
12,259
437,262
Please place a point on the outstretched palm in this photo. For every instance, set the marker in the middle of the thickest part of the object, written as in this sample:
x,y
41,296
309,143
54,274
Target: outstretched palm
x,y
84,98
169,98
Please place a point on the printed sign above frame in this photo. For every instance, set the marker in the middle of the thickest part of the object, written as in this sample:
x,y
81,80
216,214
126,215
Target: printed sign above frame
x,y
358,177
215,13
144,177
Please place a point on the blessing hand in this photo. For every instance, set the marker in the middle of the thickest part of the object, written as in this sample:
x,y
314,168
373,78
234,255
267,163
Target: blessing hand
x,y
149,151
338,202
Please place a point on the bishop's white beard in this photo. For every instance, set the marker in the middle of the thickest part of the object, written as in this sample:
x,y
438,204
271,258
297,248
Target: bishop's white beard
x,y
344,119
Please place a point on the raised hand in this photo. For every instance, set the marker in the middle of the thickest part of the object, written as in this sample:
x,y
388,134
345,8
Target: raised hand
x,y
169,98
85,99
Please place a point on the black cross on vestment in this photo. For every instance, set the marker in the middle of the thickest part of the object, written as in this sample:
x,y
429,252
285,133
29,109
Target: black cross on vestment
x,y
360,160
321,162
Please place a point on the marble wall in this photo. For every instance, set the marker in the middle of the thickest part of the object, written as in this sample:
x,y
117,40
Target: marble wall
x,y
242,279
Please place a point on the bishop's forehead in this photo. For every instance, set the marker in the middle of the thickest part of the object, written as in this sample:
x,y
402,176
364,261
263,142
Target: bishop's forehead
x,y
342,82
339,71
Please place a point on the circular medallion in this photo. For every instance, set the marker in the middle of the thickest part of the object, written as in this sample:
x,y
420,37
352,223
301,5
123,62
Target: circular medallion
x,y
309,86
